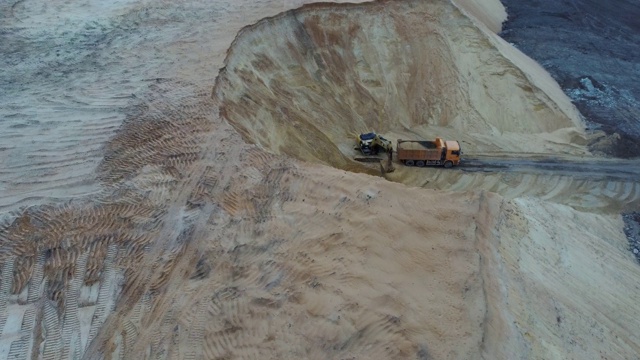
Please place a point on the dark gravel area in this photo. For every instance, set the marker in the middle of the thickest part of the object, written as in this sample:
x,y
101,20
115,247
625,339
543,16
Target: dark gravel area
x,y
592,49
632,230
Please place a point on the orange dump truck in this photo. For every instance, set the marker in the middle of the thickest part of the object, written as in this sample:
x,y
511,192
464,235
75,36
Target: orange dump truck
x,y
424,153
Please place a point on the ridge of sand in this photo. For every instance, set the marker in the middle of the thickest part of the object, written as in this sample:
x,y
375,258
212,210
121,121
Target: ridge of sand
x,y
203,246
488,16
490,13
304,82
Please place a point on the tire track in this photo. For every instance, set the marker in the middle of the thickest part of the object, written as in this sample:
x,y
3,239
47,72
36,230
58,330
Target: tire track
x,y
104,303
196,334
37,286
607,185
23,348
5,290
53,340
71,324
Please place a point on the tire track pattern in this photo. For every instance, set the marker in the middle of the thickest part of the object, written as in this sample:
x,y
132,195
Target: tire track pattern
x,y
255,278
111,262
57,250
198,258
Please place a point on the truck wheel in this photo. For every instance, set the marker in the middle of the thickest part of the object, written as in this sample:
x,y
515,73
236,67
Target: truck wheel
x,y
448,164
420,163
409,162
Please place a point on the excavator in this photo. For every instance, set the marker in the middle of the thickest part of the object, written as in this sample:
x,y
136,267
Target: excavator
x,y
371,144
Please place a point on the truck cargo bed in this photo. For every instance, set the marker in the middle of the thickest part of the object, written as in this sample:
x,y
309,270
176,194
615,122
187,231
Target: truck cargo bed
x,y
419,150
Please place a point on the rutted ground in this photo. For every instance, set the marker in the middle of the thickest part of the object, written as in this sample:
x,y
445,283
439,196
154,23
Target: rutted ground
x,y
199,245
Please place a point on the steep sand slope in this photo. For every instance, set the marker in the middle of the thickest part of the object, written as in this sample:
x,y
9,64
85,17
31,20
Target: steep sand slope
x,y
489,14
558,284
305,82
72,71
199,245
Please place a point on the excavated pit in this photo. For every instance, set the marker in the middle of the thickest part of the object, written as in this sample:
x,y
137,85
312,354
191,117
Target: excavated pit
x,y
201,246
305,82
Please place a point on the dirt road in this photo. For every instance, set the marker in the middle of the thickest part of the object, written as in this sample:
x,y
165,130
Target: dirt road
x,y
588,169
587,184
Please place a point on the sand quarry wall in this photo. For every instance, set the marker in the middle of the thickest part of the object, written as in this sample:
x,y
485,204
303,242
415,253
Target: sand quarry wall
x,y
304,82
199,245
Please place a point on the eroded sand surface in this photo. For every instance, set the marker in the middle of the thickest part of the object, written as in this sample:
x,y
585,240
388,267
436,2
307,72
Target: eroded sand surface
x,y
151,216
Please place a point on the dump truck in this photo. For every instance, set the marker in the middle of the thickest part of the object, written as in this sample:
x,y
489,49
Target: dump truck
x,y
428,153
372,143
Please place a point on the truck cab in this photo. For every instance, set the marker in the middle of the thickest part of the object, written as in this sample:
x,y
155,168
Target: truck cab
x,y
453,152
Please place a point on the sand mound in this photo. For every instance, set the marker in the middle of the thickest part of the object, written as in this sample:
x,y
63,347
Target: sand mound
x,y
490,14
271,258
534,269
199,245
304,82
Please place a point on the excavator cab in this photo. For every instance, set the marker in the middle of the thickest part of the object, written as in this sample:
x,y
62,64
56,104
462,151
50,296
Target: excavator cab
x,y
371,143
365,142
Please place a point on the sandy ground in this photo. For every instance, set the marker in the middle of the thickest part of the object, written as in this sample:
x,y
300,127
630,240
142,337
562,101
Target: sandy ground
x,y
150,215
340,76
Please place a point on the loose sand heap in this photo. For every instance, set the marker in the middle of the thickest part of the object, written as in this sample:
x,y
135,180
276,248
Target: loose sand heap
x,y
305,82
234,224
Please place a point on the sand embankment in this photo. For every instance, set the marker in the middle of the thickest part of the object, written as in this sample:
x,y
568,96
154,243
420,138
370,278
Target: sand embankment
x,y
305,82
200,245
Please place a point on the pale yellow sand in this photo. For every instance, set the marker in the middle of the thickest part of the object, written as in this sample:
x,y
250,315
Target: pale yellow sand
x,y
212,226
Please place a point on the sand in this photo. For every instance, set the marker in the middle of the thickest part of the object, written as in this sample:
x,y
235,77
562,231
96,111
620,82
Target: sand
x,y
339,76
162,217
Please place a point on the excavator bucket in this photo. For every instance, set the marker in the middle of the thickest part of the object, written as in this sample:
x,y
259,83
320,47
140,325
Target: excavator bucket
x,y
389,167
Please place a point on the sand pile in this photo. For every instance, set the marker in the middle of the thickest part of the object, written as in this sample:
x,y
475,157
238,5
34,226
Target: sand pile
x,y
304,82
278,259
289,260
200,245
